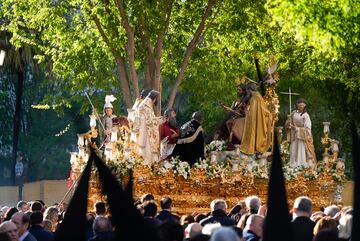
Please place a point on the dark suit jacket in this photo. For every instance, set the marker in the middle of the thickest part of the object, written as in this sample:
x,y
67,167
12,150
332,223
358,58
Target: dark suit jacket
x,y
218,216
302,229
166,215
30,237
249,235
40,234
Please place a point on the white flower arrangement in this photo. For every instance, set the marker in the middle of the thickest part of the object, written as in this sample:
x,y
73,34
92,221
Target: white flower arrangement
x,y
216,145
179,168
213,170
291,172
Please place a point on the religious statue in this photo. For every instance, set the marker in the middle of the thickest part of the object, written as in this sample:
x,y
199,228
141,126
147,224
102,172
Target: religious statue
x,y
256,138
168,134
301,148
134,116
107,120
190,146
148,139
235,124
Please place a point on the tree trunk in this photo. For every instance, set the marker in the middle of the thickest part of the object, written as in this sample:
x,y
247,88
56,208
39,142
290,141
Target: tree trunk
x,y
124,84
17,115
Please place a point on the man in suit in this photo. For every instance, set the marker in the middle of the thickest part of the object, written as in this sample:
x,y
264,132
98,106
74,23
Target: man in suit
x,y
37,230
218,214
165,214
150,209
22,222
102,229
302,225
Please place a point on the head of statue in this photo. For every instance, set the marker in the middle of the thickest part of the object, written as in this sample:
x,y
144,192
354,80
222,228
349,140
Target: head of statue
x,y
301,105
170,116
154,95
198,116
108,111
144,93
241,89
251,86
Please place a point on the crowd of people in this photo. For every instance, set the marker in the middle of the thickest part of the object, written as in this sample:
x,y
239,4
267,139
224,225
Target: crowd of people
x,y
34,221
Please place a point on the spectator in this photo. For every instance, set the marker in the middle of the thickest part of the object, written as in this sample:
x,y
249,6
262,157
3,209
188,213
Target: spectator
x,y
47,225
326,235
22,222
199,217
302,225
192,230
52,214
242,222
171,231
325,223
9,213
331,210
147,197
316,216
11,229
253,204
218,214
165,214
100,209
90,217
22,206
5,237
225,234
36,206
345,225
254,228
37,229
3,210
149,212
186,220
102,229
210,228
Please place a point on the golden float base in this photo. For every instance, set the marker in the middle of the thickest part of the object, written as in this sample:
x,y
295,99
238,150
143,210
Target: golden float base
x,y
196,192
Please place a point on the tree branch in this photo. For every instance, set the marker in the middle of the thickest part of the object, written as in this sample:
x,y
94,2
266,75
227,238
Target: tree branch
x,y
130,46
189,50
120,63
149,56
166,20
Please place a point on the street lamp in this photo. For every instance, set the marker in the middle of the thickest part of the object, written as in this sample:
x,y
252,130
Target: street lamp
x,y
2,56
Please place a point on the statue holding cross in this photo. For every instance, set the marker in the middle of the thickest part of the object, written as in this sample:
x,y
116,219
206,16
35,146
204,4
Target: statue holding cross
x,y
298,127
290,95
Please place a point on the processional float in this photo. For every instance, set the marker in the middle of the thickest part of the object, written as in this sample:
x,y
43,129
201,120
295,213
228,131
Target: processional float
x,y
226,174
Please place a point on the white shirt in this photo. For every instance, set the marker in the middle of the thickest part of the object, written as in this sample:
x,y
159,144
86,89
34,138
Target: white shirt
x,y
22,237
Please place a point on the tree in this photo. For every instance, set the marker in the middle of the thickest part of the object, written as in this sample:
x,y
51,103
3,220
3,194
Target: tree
x,y
85,40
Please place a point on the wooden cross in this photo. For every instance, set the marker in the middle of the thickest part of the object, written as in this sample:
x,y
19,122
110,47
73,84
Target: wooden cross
x,y
290,94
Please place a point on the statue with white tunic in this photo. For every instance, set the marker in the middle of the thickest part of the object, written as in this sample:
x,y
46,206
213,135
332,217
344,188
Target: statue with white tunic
x,y
148,141
302,151
134,116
